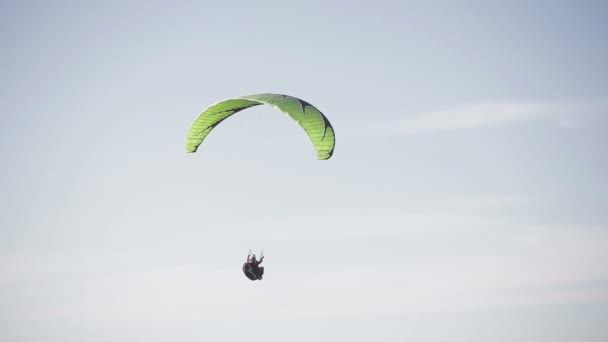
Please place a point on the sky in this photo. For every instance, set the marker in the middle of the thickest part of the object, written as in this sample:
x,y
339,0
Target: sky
x,y
466,199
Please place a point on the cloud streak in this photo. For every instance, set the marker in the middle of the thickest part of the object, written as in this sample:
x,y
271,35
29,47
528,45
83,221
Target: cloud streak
x,y
480,115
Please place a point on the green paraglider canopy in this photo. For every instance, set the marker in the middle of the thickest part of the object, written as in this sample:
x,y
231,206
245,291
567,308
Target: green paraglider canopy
x,y
316,125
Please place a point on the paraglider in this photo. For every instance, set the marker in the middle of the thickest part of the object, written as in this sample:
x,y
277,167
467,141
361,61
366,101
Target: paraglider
x,y
252,268
311,120
314,123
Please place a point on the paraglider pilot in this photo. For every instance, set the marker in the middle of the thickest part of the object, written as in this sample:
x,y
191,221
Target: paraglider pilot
x,y
254,266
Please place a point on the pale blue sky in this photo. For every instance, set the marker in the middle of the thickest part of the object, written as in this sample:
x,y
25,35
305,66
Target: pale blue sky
x,y
465,201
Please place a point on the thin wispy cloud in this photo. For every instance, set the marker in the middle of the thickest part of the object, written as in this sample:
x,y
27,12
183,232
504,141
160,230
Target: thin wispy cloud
x,y
436,214
480,115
